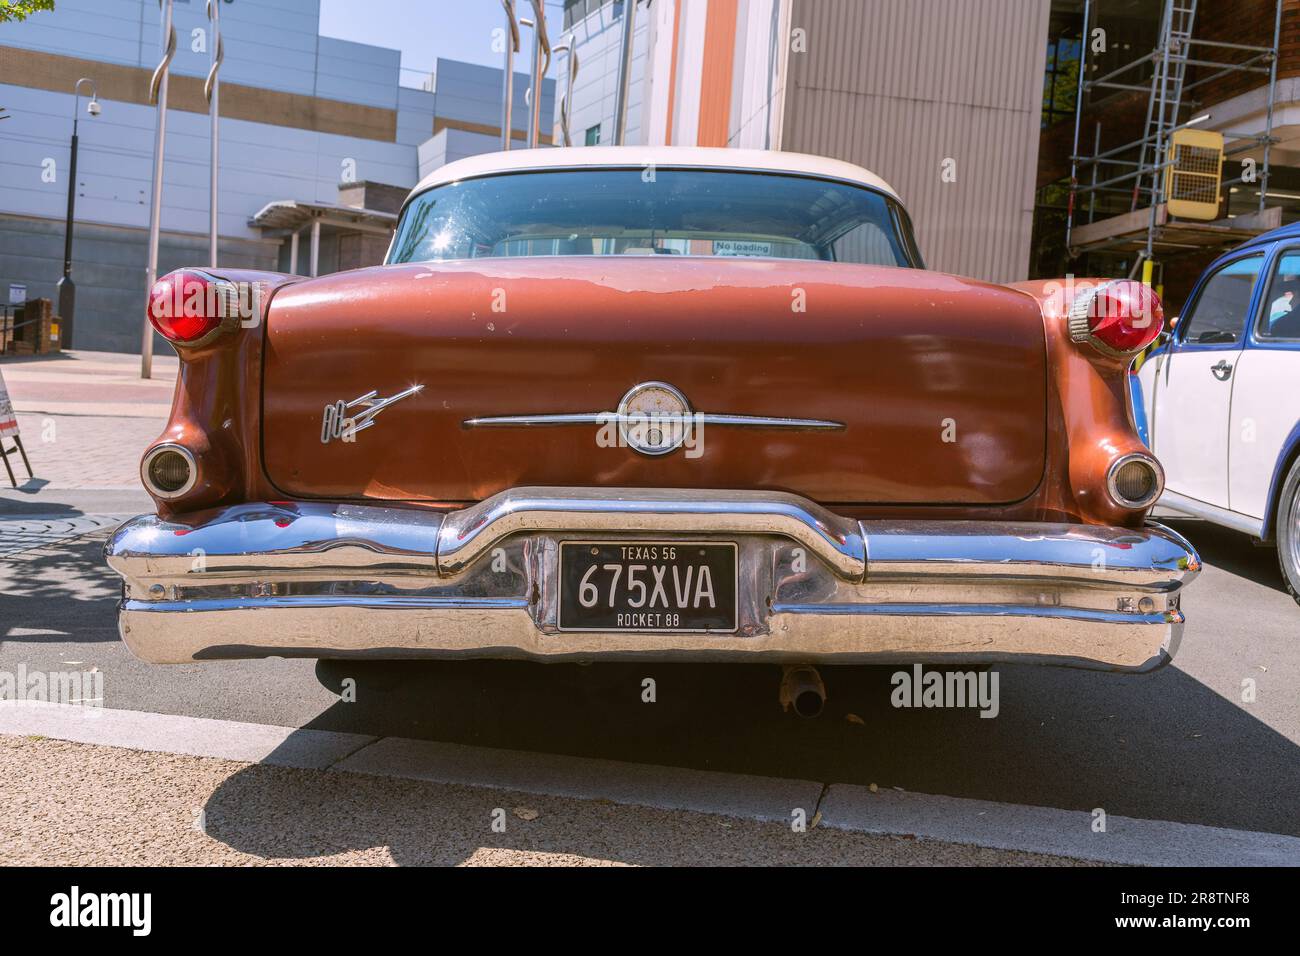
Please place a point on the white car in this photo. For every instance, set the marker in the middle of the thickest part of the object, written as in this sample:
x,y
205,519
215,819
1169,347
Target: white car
x,y
1219,401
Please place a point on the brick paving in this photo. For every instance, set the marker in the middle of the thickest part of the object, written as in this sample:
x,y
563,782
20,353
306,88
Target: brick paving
x,y
86,417
22,535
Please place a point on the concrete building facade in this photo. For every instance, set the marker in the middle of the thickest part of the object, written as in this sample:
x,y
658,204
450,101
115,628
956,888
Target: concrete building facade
x,y
301,115
941,98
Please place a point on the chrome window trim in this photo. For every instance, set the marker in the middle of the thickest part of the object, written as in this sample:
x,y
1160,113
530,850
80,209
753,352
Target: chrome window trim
x,y
906,240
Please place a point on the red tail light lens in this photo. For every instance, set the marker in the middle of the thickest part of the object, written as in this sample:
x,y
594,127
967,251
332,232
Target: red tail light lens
x,y
188,306
1118,318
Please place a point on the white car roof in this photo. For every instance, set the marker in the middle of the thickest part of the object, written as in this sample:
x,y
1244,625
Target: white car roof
x,y
567,157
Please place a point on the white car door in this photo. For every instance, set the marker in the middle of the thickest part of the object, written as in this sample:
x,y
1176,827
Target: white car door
x,y
1193,388
1266,390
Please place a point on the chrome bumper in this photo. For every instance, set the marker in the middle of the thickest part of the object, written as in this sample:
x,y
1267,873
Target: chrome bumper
x,y
347,580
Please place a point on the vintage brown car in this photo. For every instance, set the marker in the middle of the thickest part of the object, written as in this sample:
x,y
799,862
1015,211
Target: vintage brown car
x,y
618,403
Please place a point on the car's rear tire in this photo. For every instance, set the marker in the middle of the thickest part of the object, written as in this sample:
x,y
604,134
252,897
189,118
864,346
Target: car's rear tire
x,y
1288,531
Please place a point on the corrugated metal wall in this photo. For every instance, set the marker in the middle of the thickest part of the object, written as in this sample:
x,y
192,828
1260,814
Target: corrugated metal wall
x,y
900,87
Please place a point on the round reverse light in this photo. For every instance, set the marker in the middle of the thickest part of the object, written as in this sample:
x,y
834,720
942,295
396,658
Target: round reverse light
x,y
1135,481
168,471
1117,318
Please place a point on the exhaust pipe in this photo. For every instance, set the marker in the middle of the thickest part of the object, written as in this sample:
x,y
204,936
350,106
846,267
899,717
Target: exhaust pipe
x,y
802,689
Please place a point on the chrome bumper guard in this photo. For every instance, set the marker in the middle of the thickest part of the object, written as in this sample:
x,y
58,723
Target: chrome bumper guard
x,y
350,580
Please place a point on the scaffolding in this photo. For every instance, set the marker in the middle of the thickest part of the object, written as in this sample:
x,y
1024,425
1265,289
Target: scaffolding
x,y
1137,170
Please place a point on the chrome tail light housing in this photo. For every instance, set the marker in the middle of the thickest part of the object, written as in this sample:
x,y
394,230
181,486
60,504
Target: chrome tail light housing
x,y
1118,318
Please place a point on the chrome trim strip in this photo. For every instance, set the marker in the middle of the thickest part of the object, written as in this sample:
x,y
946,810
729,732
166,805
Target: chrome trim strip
x,y
1212,513
767,421
601,418
385,602
1152,558
258,539
167,633
467,535
983,610
578,418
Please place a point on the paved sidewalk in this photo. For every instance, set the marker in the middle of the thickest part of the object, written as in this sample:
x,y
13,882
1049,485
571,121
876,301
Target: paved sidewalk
x,y
86,417
655,799
79,804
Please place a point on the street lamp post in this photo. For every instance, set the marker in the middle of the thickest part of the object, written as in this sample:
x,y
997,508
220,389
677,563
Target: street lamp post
x,y
211,90
508,79
68,291
157,95
541,64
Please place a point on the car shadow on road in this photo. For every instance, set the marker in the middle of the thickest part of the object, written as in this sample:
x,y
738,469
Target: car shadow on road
x,y
1231,551
1156,746
59,590
275,813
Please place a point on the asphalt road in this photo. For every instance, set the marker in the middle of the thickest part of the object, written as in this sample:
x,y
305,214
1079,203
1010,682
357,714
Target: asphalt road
x,y
1179,744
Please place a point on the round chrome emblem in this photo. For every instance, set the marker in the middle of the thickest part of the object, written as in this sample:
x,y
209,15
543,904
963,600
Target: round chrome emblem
x,y
653,418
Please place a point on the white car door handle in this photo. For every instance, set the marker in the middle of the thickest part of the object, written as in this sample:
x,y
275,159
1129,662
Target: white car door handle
x,y
1222,370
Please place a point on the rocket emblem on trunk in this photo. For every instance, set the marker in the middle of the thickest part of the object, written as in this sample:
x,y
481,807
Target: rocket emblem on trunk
x,y
344,419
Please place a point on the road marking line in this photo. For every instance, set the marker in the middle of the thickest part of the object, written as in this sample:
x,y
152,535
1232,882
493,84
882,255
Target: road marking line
x,y
1001,826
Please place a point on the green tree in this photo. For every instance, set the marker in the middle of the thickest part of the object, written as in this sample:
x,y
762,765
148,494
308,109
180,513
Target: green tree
x,y
22,9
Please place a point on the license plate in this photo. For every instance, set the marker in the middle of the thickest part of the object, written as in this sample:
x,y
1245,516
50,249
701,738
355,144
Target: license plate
x,y
647,586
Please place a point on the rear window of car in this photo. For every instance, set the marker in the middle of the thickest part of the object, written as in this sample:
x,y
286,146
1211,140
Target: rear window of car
x,y
636,211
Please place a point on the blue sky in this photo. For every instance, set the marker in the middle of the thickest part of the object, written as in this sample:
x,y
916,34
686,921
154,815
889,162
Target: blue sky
x,y
427,29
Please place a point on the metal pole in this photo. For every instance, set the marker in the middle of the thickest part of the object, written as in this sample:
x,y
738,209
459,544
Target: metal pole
x,y
212,90
508,79
293,253
1096,148
1078,117
541,63
67,289
570,76
158,94
1272,87
624,72
315,247
1158,175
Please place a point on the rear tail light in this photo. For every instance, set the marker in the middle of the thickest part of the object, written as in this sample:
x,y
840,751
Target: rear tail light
x,y
168,471
190,307
1118,318
1135,481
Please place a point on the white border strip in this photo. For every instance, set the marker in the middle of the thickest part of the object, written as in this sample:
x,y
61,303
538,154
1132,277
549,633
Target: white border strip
x,y
171,734
1068,833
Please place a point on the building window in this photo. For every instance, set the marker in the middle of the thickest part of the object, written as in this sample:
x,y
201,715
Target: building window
x,y
1061,79
593,136
575,11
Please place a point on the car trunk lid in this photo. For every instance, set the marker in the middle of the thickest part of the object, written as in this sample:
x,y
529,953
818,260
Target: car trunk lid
x,y
939,382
